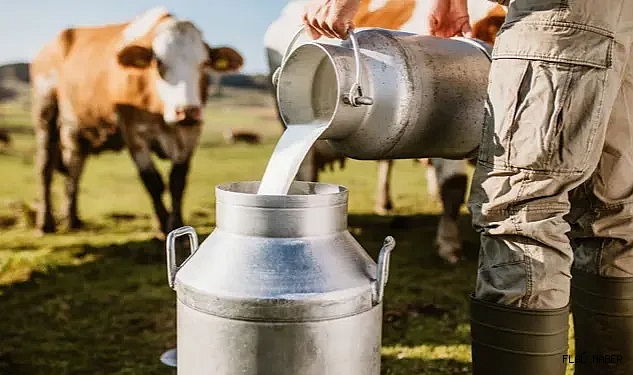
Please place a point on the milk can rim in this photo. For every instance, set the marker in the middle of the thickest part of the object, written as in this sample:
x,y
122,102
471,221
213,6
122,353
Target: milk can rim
x,y
292,56
226,193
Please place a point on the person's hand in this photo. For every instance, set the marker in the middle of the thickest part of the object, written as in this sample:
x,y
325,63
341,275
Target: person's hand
x,y
449,18
331,18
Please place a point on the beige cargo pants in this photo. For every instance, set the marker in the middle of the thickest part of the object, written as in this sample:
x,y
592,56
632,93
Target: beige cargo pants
x,y
556,158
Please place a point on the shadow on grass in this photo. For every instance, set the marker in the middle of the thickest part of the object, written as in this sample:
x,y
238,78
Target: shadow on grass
x,y
415,366
116,314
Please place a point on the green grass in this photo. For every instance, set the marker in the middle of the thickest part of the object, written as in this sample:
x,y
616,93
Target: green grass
x,y
97,301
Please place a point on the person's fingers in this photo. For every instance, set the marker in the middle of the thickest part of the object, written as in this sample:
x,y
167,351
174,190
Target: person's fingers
x,y
340,29
442,32
325,19
313,21
314,33
327,23
438,28
307,21
327,30
316,25
467,30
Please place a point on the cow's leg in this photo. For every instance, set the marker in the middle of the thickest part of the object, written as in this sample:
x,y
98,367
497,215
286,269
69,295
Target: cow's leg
x,y
138,141
383,193
45,114
180,145
177,184
73,160
153,183
432,187
452,182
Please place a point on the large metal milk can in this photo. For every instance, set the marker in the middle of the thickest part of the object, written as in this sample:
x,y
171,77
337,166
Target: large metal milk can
x,y
280,287
391,95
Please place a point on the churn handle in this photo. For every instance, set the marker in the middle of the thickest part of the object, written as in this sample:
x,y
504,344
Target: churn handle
x,y
275,77
170,245
355,96
382,270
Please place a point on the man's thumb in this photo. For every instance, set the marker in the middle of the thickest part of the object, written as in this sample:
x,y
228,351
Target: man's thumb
x,y
467,31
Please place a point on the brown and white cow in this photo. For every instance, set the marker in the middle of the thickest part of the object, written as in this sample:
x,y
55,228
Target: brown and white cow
x,y
447,176
138,85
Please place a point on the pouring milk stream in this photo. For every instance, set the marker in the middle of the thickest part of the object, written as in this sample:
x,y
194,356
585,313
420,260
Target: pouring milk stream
x,y
297,139
291,149
426,98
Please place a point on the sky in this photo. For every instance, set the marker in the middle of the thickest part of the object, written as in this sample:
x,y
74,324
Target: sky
x,y
26,25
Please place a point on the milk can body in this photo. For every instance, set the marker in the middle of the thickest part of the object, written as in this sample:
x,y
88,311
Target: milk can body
x,y
279,287
416,96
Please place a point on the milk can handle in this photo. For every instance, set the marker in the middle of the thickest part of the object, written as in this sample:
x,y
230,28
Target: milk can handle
x,y
355,97
382,270
170,245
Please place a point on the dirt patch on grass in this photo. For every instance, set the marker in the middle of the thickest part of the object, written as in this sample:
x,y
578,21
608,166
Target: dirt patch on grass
x,y
126,216
8,221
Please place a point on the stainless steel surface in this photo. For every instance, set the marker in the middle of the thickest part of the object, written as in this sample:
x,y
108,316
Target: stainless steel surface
x,y
355,97
428,94
212,345
172,268
279,287
383,268
169,358
479,44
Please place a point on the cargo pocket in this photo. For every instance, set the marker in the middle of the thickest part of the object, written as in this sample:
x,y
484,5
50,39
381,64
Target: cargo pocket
x,y
545,96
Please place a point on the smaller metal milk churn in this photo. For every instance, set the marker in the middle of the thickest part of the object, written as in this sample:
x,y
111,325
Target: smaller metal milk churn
x,y
280,287
392,95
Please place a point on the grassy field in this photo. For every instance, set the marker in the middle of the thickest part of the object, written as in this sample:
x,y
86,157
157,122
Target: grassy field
x,y
97,301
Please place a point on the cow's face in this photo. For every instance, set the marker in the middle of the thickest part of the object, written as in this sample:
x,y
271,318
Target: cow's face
x,y
178,61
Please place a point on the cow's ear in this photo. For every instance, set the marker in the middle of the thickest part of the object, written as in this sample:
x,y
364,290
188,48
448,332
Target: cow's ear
x,y
223,59
135,56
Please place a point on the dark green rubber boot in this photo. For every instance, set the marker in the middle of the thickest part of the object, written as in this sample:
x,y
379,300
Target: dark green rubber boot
x,y
603,324
511,341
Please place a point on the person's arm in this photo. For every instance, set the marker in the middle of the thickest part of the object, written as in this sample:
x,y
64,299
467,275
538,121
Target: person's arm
x,y
334,18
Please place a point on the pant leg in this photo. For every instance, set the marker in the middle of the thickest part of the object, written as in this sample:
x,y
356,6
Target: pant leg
x,y
602,235
602,239
556,73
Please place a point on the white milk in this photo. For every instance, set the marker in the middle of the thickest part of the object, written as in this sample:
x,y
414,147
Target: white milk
x,y
297,139
291,149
